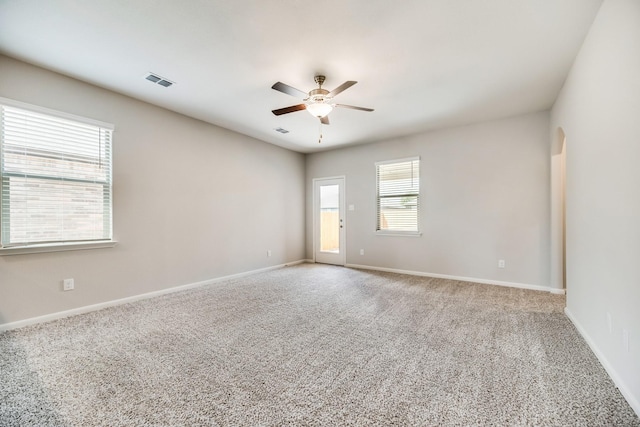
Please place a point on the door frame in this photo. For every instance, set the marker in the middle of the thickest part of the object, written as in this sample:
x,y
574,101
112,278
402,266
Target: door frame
x,y
558,267
316,219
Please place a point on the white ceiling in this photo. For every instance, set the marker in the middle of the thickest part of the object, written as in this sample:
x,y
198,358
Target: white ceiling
x,y
422,64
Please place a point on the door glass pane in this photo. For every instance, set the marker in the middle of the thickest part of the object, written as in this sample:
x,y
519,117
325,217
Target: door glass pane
x,y
330,218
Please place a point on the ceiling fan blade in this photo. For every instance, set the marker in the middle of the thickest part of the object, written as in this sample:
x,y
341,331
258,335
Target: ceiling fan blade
x,y
342,87
281,87
354,108
324,120
291,109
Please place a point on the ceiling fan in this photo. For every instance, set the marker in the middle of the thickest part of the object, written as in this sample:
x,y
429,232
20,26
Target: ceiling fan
x,y
317,102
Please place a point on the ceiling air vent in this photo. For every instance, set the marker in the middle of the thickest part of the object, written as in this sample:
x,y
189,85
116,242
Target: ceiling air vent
x,y
281,130
154,78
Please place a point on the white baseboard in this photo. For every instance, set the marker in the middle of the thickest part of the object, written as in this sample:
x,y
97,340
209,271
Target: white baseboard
x,y
99,306
617,379
461,278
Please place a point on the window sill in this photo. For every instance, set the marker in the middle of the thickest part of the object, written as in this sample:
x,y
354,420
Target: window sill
x,y
56,247
399,233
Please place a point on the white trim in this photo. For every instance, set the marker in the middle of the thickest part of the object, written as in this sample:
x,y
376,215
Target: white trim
x,y
557,291
461,278
112,303
56,247
617,379
406,159
60,114
322,178
397,233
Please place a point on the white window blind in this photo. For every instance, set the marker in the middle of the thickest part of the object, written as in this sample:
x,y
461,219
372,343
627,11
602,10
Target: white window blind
x,y
398,195
55,174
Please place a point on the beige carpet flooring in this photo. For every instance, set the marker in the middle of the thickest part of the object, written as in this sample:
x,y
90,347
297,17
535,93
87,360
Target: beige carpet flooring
x,y
312,345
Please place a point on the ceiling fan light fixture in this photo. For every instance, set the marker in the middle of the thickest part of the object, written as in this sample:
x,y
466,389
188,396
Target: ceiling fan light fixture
x,y
319,109
318,102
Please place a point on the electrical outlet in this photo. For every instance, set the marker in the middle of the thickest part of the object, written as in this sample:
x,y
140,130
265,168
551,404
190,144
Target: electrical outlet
x,y
269,252
68,285
361,251
501,263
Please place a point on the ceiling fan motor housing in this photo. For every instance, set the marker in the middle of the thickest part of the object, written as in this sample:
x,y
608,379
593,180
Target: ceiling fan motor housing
x,y
318,95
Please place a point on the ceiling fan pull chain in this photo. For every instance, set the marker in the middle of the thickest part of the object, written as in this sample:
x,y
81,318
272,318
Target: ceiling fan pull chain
x,y
320,132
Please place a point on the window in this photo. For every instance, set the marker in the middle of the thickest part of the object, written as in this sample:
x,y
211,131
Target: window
x,y
398,196
55,175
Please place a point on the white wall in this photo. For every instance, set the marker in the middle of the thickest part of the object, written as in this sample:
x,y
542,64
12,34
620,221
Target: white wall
x,y
192,202
599,112
485,196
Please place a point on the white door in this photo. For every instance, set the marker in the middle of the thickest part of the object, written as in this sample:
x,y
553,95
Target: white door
x,y
329,221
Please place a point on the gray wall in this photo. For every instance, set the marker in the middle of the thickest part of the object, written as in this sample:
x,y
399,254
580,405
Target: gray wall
x,y
192,202
599,112
485,196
